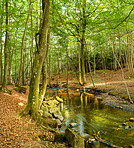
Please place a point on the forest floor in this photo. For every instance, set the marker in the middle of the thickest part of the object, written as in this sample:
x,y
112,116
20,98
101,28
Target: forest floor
x,y
15,132
24,133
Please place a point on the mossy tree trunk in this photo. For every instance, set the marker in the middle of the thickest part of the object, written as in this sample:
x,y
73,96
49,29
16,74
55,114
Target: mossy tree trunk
x,y
44,72
83,43
33,98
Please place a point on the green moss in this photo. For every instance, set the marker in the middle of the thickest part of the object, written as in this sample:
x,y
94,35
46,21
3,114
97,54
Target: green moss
x,y
124,96
74,139
113,93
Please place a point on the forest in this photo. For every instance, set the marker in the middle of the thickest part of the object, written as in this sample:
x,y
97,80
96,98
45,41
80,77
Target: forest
x,y
76,47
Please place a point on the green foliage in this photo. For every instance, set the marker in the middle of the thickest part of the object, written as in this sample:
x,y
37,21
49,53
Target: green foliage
x,y
108,26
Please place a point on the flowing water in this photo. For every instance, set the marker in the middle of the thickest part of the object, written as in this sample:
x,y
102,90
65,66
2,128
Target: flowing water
x,y
94,117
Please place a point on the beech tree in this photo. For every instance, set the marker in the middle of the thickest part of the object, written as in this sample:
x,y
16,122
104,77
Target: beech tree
x,y
40,56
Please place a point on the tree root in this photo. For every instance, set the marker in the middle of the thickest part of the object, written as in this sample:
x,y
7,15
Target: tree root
x,y
45,123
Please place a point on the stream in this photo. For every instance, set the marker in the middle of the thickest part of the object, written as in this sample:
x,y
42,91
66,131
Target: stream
x,y
94,117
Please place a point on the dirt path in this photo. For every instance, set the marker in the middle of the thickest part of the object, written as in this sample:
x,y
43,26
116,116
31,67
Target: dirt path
x,y
16,132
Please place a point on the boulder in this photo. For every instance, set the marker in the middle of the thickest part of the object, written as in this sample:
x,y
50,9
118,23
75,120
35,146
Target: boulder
x,y
59,123
47,115
131,146
44,108
131,119
52,102
99,98
59,99
74,139
53,110
85,135
58,116
40,112
59,136
47,98
73,125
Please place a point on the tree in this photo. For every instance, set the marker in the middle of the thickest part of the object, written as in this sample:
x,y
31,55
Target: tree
x,y
40,55
6,50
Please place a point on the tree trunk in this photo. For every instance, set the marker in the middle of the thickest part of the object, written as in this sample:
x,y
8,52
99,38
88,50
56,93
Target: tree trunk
x,y
10,66
83,43
33,98
21,61
5,51
1,45
44,69
79,59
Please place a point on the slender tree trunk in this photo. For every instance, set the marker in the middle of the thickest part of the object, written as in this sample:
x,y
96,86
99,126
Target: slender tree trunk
x,y
1,48
49,72
94,63
83,43
22,44
90,71
5,51
31,50
67,68
10,66
79,59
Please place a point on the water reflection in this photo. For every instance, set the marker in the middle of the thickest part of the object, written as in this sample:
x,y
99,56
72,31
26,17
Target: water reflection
x,y
93,116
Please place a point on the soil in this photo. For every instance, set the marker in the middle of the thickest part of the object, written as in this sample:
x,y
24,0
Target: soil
x,y
24,133
15,132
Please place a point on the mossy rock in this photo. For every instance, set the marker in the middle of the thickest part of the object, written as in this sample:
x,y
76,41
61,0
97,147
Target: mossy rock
x,y
96,90
74,139
59,99
124,96
59,136
113,93
47,98
52,103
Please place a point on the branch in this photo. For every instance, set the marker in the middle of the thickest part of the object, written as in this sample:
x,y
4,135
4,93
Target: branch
x,y
124,19
128,3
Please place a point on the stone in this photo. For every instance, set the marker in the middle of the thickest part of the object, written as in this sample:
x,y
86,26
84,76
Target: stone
x,y
58,116
73,125
99,98
44,108
47,98
131,119
59,99
130,127
45,104
47,115
131,146
85,135
126,127
52,102
58,122
59,136
74,139
53,110
124,124
41,112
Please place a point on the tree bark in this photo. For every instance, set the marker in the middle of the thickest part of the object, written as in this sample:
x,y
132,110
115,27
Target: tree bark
x,y
33,98
5,51
1,49
22,44
83,43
